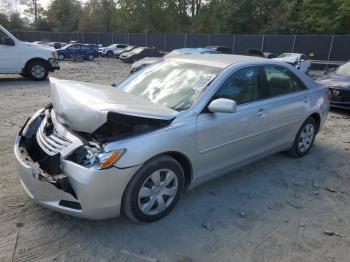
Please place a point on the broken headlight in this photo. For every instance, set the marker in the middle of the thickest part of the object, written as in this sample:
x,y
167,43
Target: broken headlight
x,y
93,156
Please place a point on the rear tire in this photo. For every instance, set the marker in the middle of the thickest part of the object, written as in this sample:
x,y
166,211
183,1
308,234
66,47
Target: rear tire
x,y
304,138
37,70
154,190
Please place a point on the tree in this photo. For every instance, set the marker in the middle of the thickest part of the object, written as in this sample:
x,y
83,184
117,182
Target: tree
x,y
64,15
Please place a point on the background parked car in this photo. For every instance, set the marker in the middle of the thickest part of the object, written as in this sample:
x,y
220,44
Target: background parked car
x,y
338,82
221,49
78,51
138,53
150,60
299,61
57,45
117,53
111,49
260,53
28,59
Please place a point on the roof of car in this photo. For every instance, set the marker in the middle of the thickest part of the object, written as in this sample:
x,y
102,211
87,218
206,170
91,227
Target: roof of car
x,y
216,60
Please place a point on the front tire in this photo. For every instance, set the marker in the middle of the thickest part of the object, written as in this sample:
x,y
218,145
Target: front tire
x,y
109,54
304,138
154,190
37,70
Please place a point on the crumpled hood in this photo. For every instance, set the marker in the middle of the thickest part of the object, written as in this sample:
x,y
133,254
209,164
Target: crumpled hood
x,y
84,106
335,80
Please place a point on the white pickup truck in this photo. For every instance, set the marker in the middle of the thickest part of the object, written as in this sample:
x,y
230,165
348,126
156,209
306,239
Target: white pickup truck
x,y
28,59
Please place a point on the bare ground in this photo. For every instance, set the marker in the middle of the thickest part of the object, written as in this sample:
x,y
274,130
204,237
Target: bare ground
x,y
279,209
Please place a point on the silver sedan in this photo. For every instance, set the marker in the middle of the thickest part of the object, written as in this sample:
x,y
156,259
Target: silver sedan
x,y
138,146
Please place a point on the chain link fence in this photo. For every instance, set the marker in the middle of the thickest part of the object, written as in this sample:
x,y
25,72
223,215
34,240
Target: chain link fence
x,y
317,47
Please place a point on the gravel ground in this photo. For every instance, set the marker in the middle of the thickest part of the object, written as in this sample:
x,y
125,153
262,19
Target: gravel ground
x,y
278,209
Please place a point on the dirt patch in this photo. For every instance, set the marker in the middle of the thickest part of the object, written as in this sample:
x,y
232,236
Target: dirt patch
x,y
278,209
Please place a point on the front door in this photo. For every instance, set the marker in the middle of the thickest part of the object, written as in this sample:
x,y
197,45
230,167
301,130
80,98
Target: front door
x,y
10,58
227,139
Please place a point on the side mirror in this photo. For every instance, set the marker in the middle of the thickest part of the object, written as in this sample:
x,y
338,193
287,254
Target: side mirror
x,y
9,41
223,105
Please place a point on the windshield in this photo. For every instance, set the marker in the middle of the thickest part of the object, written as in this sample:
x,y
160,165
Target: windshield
x,y
343,69
173,84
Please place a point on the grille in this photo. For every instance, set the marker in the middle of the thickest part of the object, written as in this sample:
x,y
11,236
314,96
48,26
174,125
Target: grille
x,y
339,95
53,143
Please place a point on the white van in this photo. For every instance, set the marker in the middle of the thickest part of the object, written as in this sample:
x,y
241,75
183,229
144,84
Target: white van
x,y
28,59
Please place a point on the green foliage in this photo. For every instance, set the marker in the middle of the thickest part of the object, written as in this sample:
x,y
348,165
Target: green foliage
x,y
64,15
198,16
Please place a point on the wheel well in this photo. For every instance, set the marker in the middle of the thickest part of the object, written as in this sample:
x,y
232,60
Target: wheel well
x,y
317,119
186,165
35,59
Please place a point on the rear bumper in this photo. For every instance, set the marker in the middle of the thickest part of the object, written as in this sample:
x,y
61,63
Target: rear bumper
x,y
78,191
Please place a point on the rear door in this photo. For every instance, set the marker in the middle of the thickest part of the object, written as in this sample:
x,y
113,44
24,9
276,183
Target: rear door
x,y
227,139
288,102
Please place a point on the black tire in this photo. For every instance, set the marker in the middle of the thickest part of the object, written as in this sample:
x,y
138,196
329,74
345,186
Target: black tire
x,y
109,54
37,70
90,57
295,150
130,203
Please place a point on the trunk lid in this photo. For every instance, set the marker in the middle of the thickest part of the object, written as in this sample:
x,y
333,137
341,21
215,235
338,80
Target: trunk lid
x,y
84,106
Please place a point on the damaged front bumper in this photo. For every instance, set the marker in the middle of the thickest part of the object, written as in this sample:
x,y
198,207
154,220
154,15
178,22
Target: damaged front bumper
x,y
60,184
53,64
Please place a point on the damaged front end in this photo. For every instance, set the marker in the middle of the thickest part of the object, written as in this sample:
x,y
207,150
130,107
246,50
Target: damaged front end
x,y
63,155
40,146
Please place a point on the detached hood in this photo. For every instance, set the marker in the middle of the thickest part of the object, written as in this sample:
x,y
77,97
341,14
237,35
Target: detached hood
x,y
335,80
287,59
84,106
128,54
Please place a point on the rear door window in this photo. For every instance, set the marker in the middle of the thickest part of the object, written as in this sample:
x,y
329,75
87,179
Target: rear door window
x,y
281,81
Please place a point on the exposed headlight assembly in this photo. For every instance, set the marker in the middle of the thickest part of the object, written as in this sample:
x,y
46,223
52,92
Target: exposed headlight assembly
x,y
92,156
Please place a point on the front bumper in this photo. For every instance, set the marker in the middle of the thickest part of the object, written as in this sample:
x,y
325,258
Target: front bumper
x,y
53,65
76,190
340,97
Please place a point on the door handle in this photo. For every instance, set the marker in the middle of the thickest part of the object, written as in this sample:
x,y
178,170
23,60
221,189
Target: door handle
x,y
305,99
261,112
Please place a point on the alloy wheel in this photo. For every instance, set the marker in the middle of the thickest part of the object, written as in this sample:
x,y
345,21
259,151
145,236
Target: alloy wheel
x,y
38,71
